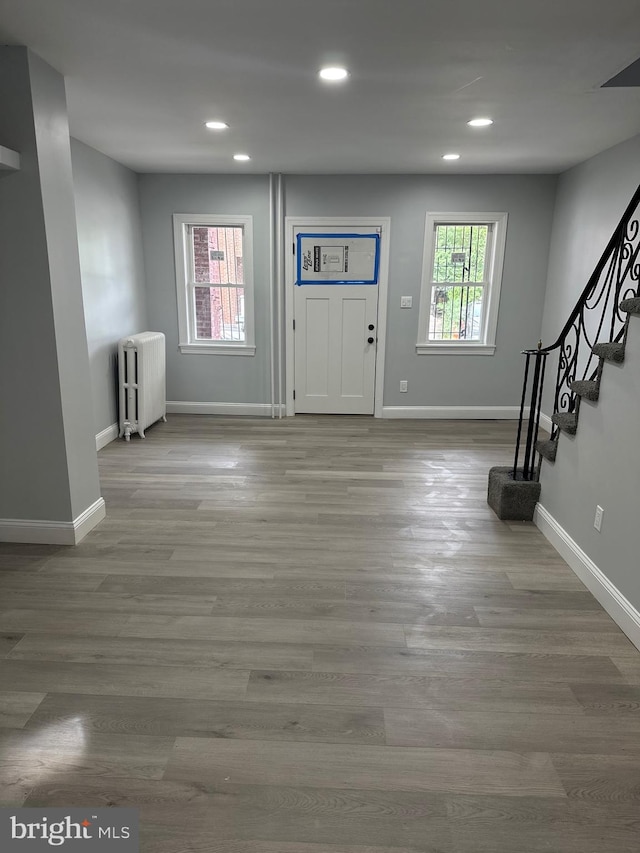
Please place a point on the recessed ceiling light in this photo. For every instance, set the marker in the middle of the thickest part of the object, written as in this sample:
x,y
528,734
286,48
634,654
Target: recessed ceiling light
x,y
216,125
334,74
241,157
450,156
480,122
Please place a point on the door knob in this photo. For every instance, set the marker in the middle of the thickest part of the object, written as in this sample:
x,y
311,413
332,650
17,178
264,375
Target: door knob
x,y
369,340
371,327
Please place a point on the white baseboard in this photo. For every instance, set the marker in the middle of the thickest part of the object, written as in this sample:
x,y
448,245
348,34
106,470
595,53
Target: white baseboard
x,y
441,412
617,606
545,422
33,531
454,412
106,436
179,407
88,519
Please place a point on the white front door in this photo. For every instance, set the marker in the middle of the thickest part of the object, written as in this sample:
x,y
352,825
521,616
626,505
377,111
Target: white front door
x,y
336,324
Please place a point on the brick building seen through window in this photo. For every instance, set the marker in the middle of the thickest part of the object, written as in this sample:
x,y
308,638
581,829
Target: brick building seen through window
x,y
219,282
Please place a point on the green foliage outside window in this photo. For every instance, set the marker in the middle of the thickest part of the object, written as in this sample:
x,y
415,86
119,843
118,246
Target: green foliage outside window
x,y
459,261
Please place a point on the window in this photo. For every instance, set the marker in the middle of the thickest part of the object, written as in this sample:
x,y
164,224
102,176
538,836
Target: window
x,y
461,278
214,280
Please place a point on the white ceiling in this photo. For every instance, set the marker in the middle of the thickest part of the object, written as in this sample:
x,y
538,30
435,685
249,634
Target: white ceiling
x,y
143,76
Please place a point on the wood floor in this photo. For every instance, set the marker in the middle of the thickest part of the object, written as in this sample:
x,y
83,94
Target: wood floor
x,y
313,636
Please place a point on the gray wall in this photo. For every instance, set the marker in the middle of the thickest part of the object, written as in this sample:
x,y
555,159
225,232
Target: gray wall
x,y
111,265
434,380
47,445
442,380
206,378
600,465
590,201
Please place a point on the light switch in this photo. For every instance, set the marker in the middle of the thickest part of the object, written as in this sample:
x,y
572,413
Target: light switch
x,y
406,301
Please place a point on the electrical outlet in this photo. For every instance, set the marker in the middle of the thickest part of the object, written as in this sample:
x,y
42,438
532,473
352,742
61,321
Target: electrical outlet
x,y
597,522
406,301
404,385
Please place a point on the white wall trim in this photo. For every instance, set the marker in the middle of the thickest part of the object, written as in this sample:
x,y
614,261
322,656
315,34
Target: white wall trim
x,y
183,407
458,348
9,159
454,412
496,244
545,422
614,602
88,519
33,531
217,349
106,436
185,282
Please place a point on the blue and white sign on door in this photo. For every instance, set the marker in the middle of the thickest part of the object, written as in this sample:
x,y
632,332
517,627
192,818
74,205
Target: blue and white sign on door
x,y
337,258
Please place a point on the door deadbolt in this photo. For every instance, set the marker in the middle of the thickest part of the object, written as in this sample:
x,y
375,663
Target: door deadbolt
x,y
371,327
369,340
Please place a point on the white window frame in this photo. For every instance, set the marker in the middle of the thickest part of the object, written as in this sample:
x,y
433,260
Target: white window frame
x,y
188,342
487,343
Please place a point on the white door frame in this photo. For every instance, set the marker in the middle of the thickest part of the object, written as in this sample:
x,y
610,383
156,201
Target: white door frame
x,y
293,222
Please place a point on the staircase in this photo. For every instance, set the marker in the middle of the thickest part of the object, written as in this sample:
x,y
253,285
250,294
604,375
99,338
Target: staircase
x,y
588,389
595,333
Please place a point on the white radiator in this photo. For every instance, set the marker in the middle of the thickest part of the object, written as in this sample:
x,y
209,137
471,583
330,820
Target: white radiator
x,y
141,367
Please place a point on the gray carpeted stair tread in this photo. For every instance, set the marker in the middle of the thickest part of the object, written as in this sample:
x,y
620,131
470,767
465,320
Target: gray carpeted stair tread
x,y
610,352
631,306
548,449
589,389
567,421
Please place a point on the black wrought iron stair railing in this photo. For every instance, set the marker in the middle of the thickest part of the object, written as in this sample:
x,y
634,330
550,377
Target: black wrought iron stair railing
x,y
595,319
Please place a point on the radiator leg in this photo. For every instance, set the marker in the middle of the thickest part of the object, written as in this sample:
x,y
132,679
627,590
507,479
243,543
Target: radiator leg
x,y
127,433
141,432
164,419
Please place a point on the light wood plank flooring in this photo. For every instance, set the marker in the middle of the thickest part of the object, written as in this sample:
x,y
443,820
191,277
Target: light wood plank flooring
x,y
313,636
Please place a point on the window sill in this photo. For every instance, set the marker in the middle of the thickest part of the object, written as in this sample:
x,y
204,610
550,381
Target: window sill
x,y
218,349
455,348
